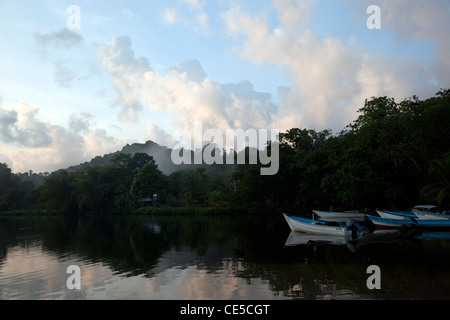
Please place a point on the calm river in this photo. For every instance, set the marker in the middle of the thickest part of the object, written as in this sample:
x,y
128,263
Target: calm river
x,y
209,258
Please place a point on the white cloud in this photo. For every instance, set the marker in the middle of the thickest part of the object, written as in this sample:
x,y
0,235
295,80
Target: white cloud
x,y
171,17
30,143
125,70
194,4
422,21
189,13
185,92
202,19
192,69
23,127
331,76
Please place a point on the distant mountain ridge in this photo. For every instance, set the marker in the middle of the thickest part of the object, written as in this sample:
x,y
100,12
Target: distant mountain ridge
x,y
161,155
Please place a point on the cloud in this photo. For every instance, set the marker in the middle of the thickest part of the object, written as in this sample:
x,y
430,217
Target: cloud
x,y
52,46
62,39
331,76
171,16
126,71
419,21
189,13
31,143
63,75
159,135
23,127
193,70
185,92
80,122
194,4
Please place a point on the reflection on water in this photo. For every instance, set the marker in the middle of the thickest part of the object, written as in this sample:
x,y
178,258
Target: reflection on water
x,y
220,258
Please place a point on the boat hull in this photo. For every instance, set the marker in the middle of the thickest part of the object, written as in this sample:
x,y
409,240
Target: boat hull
x,y
395,214
315,227
340,215
384,223
430,215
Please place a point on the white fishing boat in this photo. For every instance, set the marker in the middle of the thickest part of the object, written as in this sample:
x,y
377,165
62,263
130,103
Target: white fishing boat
x,y
339,215
306,225
390,214
384,223
429,212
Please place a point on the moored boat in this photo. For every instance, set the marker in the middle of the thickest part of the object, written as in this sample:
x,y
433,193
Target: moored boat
x,y
429,212
384,223
306,225
390,214
338,215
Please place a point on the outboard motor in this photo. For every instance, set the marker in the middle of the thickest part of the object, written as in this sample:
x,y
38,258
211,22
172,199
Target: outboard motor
x,y
356,228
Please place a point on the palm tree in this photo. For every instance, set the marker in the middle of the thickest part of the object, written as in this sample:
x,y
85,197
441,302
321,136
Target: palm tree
x,y
439,189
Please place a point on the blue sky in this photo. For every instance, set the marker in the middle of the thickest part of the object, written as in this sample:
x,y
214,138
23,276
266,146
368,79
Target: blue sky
x,y
146,70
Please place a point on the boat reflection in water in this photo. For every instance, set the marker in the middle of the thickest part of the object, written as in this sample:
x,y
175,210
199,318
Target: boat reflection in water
x,y
354,235
315,240
296,238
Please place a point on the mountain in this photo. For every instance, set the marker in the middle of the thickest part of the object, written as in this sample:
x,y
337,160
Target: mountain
x,y
161,155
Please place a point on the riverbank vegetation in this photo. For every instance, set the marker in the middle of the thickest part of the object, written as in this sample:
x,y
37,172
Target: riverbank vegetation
x,y
394,155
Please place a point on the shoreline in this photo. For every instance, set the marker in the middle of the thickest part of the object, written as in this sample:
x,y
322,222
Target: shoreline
x,y
187,211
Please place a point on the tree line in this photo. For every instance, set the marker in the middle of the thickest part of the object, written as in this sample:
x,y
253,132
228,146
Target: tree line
x,y
394,155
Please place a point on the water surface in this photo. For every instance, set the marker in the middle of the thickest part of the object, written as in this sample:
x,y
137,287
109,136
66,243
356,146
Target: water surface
x,y
209,258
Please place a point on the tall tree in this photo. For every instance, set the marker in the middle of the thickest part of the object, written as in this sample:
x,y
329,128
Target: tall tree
x,y
148,182
96,189
8,183
58,192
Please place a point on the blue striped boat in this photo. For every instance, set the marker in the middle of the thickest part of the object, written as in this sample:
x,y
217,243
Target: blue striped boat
x,y
391,214
385,223
350,229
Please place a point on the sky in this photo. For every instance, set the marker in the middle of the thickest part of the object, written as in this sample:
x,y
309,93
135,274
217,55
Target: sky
x,y
75,84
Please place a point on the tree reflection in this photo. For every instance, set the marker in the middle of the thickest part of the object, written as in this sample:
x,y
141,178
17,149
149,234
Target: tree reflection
x,y
240,247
